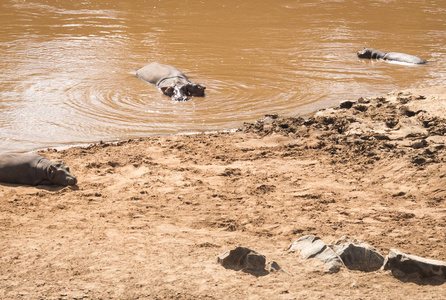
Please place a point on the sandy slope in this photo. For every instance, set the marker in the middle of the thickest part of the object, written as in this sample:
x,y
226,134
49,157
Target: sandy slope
x,y
149,217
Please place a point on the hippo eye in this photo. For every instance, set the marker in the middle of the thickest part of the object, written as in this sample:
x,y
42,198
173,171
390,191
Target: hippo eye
x,y
167,91
68,169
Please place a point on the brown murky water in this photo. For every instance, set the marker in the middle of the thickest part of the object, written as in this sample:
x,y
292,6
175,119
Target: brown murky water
x,y
67,67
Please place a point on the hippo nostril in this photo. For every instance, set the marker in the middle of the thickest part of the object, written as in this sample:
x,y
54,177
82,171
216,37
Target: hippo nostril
x,y
72,181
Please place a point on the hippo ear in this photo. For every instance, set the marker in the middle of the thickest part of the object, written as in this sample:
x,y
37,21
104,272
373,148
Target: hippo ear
x,y
53,170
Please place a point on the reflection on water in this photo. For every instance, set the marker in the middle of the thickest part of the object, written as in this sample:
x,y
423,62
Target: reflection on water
x,y
67,67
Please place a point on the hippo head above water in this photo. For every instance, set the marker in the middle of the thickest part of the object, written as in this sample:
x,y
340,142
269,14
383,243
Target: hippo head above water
x,y
182,92
60,174
170,81
366,53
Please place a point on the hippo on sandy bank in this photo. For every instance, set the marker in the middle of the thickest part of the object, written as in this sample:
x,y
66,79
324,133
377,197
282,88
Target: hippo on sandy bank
x,y
391,56
170,81
33,169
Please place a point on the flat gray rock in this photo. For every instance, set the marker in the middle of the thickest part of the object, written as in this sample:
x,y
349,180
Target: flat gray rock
x,y
310,246
358,255
406,263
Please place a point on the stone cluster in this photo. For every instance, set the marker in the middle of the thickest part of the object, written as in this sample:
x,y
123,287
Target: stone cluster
x,y
345,252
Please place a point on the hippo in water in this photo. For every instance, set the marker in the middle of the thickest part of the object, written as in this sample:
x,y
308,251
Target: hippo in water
x,y
391,56
170,81
33,169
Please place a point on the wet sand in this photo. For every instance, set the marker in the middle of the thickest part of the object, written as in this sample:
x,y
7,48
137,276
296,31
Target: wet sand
x,y
149,217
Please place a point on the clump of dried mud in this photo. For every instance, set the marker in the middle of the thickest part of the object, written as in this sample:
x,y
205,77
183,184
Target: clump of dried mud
x,y
367,130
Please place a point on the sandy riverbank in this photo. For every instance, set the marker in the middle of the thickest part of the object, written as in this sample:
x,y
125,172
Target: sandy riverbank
x,y
149,217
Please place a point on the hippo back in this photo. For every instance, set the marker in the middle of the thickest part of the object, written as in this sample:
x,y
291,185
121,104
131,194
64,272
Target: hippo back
x,y
18,168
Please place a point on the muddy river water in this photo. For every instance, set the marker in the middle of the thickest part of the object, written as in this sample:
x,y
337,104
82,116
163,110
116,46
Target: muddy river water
x,y
67,67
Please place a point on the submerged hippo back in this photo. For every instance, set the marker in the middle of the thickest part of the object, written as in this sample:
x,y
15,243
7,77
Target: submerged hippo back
x,y
154,72
405,58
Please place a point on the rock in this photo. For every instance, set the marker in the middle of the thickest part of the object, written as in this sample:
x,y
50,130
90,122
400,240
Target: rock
x,y
273,266
232,258
346,104
357,255
391,122
419,160
404,111
420,144
361,107
242,258
272,116
254,262
397,260
381,137
310,246
363,100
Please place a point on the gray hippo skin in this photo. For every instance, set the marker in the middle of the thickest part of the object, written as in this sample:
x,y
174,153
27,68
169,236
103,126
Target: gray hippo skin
x,y
33,169
170,81
391,56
